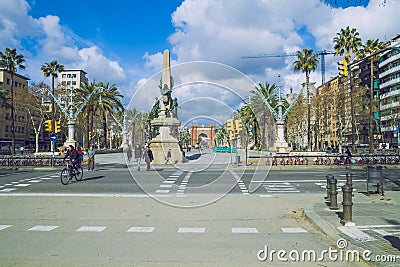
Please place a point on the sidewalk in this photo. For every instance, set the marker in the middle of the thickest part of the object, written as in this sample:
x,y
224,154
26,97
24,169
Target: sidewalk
x,y
377,224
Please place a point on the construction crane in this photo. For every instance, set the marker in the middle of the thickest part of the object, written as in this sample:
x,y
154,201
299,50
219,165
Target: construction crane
x,y
320,53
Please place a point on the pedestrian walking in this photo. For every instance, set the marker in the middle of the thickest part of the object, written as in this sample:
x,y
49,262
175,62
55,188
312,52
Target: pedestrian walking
x,y
168,160
138,155
129,153
90,155
148,157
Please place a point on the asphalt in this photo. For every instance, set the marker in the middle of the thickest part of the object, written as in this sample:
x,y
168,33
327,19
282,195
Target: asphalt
x,y
375,224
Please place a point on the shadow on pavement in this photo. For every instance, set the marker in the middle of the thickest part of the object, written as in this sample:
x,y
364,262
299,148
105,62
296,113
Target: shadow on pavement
x,y
193,157
394,240
93,178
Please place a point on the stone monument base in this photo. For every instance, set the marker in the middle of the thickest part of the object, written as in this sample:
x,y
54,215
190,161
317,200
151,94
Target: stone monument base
x,y
282,148
165,141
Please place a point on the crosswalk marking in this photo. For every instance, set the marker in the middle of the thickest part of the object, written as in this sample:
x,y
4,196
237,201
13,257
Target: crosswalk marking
x,y
2,227
281,187
91,229
293,230
43,228
141,229
244,230
191,230
22,185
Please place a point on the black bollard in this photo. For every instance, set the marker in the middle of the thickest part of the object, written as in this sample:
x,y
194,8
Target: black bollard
x,y
347,204
328,177
333,194
379,188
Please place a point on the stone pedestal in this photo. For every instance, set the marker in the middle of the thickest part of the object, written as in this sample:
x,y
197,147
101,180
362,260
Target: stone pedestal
x,y
165,141
281,146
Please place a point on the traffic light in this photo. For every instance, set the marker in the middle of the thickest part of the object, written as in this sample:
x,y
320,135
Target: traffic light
x,y
48,126
343,68
90,135
231,136
228,138
57,127
229,125
239,125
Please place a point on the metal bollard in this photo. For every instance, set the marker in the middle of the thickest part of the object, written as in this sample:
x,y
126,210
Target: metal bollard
x,y
379,188
328,177
347,204
349,178
333,194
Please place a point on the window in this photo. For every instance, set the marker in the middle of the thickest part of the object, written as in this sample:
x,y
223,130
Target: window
x,y
64,75
8,81
73,82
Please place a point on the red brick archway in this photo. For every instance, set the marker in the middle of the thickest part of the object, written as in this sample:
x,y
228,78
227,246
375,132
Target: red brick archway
x,y
196,131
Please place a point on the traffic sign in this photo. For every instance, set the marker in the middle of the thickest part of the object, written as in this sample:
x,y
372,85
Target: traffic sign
x,y
53,137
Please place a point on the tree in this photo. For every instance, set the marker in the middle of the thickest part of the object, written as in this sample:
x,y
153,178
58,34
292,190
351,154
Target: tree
x,y
264,94
109,101
11,61
88,90
345,42
33,104
371,47
51,69
306,62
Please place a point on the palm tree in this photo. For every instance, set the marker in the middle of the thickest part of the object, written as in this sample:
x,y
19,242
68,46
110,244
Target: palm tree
x,y
306,62
85,91
51,69
264,94
371,47
345,42
109,102
11,61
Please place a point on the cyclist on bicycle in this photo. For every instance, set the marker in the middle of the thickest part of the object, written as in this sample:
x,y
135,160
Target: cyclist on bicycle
x,y
73,157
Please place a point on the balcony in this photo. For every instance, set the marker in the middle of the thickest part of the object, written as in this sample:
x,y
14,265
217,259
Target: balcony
x,y
390,59
391,93
391,105
390,82
389,71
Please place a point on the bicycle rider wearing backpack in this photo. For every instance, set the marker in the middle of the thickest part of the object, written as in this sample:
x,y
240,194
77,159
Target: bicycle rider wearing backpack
x,y
73,156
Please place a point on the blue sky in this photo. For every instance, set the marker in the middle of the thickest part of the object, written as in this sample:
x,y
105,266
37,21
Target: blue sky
x,y
122,42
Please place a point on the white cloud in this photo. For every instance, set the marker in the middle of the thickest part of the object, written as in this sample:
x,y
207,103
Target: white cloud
x,y
54,42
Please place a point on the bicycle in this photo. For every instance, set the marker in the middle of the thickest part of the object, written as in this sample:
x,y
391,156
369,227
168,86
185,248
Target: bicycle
x,y
68,173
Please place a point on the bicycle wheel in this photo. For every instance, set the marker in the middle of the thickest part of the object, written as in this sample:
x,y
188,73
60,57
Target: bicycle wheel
x,y
64,176
79,174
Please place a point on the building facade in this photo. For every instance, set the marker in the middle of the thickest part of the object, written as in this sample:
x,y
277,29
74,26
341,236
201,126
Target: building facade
x,y
23,130
389,86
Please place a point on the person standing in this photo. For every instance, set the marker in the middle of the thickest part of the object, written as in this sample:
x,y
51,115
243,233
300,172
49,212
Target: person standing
x,y
168,157
138,155
148,157
91,154
129,153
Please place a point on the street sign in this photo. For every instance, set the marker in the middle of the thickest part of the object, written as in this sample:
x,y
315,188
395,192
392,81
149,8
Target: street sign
x,y
53,137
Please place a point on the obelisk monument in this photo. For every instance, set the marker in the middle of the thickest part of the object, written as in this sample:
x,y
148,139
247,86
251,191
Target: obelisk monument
x,y
167,120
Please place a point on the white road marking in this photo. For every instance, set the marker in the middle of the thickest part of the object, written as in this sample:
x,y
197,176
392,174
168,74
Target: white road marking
x,y
192,230
35,181
141,229
166,186
293,230
356,234
43,228
162,191
22,185
8,189
91,229
2,227
244,230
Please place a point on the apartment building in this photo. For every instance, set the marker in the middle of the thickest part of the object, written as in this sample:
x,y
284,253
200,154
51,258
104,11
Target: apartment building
x,y
389,77
24,134
71,78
